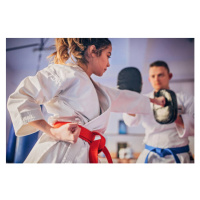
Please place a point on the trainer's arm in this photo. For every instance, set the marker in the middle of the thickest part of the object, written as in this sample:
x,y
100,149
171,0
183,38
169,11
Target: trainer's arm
x,y
185,122
179,121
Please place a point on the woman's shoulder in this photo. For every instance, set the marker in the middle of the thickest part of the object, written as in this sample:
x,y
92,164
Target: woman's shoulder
x,y
60,67
63,70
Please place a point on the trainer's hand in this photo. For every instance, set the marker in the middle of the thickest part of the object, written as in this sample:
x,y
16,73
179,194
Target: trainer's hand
x,y
67,133
159,101
179,121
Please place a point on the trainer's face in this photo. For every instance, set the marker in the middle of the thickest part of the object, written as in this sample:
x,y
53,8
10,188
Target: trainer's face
x,y
159,78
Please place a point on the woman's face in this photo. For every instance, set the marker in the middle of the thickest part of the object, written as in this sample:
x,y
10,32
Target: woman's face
x,y
99,64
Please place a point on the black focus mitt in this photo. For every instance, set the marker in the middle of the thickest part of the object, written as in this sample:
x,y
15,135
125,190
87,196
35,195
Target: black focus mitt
x,y
130,78
168,113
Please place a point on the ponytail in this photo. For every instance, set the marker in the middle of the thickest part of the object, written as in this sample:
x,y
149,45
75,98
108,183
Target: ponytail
x,y
75,48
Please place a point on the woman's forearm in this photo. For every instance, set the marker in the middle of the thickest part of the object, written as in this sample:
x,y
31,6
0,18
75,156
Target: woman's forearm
x,y
43,126
68,132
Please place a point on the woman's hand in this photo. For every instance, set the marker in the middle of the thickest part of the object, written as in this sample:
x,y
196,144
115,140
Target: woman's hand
x,y
159,101
67,133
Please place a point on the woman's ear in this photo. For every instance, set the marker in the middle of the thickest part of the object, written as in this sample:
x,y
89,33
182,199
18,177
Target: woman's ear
x,y
92,51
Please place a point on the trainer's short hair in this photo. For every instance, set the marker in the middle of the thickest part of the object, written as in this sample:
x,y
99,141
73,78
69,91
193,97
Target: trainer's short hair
x,y
159,63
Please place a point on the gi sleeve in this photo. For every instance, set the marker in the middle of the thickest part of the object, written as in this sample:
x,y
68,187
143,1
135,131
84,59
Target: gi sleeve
x,y
132,120
126,101
188,117
24,104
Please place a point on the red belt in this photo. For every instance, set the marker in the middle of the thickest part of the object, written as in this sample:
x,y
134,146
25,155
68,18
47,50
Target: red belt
x,y
96,146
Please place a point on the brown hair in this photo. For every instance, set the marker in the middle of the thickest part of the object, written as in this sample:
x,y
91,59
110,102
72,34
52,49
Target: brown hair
x,y
75,48
160,63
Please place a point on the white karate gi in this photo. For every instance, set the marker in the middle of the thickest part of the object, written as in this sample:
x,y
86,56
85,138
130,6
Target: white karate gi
x,y
168,135
69,95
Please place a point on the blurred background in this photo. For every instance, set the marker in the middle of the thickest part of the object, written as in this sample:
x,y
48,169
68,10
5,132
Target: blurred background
x,y
25,56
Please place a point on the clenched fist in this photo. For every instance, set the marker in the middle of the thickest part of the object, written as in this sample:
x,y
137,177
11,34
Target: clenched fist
x,y
67,133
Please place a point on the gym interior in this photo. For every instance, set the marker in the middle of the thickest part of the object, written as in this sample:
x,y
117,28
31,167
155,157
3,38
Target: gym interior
x,y
26,56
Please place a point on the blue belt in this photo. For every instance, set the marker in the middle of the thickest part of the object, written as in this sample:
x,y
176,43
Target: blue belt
x,y
167,151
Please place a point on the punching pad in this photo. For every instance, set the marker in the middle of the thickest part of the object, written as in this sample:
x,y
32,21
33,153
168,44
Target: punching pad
x,y
168,113
130,78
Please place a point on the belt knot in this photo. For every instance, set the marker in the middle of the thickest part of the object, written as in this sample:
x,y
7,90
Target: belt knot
x,y
96,146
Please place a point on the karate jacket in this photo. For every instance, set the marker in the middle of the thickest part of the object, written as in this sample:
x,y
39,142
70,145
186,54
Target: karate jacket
x,y
69,95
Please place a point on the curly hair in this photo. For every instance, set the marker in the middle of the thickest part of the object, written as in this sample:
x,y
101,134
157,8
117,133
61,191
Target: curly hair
x,y
75,48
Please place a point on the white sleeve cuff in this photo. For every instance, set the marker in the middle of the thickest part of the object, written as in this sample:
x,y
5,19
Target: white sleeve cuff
x,y
187,130
131,120
21,125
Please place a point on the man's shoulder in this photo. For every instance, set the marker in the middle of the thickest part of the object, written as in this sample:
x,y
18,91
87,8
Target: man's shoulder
x,y
184,96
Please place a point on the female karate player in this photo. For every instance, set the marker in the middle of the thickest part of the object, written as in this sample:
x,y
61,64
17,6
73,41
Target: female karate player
x,y
80,107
